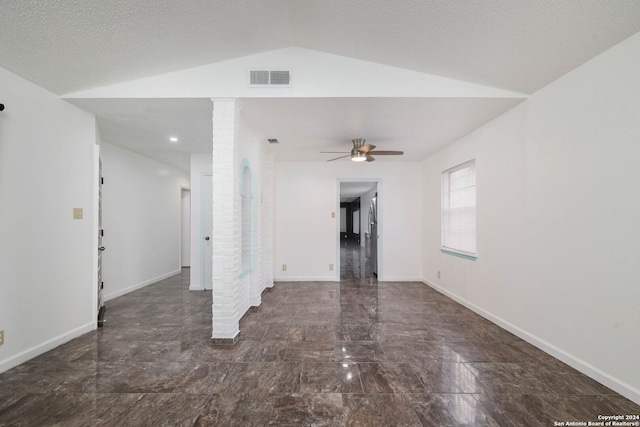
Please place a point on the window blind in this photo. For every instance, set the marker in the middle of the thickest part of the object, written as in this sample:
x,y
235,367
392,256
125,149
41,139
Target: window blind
x,y
459,209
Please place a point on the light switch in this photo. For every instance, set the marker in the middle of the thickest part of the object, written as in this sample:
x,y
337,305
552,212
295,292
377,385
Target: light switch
x,y
333,214
77,213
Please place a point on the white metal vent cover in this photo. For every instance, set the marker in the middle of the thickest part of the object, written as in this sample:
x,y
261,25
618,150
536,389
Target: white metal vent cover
x,y
270,78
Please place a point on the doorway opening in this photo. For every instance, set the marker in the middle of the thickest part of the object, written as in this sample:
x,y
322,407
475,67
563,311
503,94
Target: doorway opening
x,y
185,228
358,235
206,231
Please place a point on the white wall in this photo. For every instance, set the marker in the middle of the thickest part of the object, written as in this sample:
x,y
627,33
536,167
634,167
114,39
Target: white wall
x,y
200,164
267,220
313,73
47,272
558,194
185,230
141,220
251,150
306,235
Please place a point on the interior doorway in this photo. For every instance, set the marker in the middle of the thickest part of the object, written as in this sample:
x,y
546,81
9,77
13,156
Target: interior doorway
x,y
359,224
206,230
101,306
185,228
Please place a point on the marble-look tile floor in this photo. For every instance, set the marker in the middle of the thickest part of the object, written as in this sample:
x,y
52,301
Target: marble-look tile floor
x,y
349,353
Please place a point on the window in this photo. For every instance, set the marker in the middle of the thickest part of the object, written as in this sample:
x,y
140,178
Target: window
x,y
459,210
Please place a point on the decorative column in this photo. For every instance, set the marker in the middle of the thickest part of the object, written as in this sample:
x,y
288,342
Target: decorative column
x,y
227,238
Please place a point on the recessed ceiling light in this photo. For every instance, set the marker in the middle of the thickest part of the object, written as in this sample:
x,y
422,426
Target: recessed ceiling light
x,y
173,139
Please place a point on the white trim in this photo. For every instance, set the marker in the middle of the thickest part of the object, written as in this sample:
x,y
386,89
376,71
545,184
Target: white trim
x,y
95,227
202,233
39,349
141,285
401,279
198,287
380,245
619,386
306,279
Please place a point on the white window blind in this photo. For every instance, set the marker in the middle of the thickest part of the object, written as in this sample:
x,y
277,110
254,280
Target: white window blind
x,y
459,209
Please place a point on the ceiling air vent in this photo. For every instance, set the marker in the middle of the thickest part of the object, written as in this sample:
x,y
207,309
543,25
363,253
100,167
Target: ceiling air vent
x,y
270,78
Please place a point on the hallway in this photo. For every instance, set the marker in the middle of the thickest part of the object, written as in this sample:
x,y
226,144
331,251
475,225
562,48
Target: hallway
x,y
353,262
353,353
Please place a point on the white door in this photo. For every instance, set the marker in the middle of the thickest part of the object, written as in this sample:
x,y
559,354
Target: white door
x,y
206,258
101,307
185,231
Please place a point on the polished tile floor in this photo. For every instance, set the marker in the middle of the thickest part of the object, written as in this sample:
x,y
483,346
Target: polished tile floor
x,y
353,353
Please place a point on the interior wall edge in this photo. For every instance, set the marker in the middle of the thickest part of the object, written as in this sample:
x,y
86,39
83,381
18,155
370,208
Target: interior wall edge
x,y
306,279
140,285
44,347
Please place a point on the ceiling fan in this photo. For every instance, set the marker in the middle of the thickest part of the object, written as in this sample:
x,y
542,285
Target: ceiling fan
x,y
362,152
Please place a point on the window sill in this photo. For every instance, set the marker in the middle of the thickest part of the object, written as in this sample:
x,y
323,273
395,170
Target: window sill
x,y
459,254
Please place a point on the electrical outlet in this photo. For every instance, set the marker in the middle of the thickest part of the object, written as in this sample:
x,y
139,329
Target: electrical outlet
x,y
284,267
77,213
438,274
331,267
1,337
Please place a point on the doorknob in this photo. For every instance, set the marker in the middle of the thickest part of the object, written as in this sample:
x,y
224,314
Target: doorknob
x,y
101,248
207,238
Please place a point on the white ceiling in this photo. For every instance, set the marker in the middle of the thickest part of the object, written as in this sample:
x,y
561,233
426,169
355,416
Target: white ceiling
x,y
349,191
418,126
518,45
145,126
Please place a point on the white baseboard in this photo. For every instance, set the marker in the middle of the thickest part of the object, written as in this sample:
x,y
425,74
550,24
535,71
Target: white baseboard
x,y
401,279
617,385
39,349
140,285
198,287
306,279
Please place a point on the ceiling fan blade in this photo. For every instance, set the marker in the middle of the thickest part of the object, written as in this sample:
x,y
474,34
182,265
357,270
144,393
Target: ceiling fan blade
x,y
370,158
366,148
387,153
341,157
334,152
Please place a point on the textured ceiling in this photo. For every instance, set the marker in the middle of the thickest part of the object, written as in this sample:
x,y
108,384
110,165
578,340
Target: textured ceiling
x,y
67,46
520,45
70,45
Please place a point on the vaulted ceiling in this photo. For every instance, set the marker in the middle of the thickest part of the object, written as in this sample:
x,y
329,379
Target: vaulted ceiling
x,y
521,46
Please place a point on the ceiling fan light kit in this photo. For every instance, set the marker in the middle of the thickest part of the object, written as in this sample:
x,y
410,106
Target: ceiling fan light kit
x,y
357,156
362,152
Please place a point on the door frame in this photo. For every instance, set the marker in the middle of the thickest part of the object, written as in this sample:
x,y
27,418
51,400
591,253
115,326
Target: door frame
x,y
378,181
183,220
96,228
203,175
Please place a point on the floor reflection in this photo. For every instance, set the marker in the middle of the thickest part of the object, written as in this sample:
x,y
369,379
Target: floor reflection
x,y
354,352
353,262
